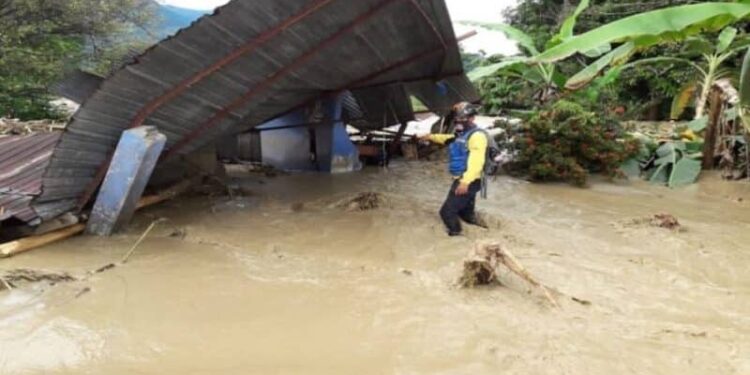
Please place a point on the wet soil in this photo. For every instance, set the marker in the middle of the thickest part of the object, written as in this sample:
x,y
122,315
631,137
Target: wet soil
x,y
285,281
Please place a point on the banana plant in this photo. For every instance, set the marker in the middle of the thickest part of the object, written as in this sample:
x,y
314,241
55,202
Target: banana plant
x,y
709,69
630,35
544,76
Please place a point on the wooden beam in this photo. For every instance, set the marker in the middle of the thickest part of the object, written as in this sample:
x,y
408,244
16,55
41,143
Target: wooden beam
x,y
30,243
25,244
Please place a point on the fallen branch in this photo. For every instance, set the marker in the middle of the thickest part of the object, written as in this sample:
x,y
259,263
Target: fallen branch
x,y
510,261
138,243
481,269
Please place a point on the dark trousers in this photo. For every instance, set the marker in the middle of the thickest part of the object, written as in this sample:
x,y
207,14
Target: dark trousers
x,y
460,207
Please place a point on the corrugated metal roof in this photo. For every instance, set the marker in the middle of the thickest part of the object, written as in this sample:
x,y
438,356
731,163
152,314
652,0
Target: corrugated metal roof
x,y
247,63
77,86
22,163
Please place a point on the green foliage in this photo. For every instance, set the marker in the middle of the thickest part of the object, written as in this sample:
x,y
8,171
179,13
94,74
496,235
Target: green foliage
x,y
674,166
41,40
650,28
471,61
417,105
640,91
501,92
566,143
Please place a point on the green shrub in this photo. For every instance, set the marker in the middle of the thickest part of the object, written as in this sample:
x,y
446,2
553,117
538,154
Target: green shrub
x,y
566,143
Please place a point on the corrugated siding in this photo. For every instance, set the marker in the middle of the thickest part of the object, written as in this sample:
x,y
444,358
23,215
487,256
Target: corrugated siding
x,y
340,44
22,163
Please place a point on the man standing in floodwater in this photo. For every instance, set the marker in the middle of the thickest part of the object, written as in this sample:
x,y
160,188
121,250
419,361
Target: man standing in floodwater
x,y
468,153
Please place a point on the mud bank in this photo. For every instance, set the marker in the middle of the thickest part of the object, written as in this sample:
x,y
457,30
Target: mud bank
x,y
283,280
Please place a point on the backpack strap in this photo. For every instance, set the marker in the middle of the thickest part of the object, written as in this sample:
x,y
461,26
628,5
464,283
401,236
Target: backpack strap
x,y
491,145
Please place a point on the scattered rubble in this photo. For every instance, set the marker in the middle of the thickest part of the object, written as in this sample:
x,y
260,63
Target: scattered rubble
x,y
666,221
18,127
662,220
255,168
16,278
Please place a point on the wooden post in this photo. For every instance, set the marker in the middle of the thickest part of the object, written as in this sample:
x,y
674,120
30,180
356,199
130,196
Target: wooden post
x,y
714,117
396,144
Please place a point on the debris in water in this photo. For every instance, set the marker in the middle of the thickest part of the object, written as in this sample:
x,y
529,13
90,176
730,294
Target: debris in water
x,y
406,272
581,301
298,207
480,268
666,221
180,233
10,126
15,278
82,292
364,202
105,268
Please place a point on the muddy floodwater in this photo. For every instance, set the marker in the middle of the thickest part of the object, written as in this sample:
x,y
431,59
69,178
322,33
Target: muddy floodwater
x,y
284,279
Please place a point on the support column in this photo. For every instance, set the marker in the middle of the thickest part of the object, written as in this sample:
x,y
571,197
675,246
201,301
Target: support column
x,y
335,151
131,168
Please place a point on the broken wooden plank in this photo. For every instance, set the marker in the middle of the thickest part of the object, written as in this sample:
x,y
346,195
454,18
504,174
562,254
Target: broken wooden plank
x,y
31,243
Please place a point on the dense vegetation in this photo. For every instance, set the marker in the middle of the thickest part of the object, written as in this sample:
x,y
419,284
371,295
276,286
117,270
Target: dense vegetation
x,y
566,143
643,92
41,40
581,62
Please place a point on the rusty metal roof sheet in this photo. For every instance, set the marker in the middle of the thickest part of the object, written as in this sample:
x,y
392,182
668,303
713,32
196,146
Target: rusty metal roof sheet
x,y
247,63
22,163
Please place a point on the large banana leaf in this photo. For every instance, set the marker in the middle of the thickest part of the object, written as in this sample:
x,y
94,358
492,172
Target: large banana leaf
x,y
516,35
649,28
489,70
725,39
566,30
590,72
673,167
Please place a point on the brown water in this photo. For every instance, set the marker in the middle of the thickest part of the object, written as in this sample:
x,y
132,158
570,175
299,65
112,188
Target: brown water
x,y
257,287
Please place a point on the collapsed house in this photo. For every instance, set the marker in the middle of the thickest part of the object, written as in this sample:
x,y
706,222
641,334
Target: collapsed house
x,y
300,71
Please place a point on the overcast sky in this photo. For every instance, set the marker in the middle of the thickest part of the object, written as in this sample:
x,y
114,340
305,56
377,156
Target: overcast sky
x,y
461,10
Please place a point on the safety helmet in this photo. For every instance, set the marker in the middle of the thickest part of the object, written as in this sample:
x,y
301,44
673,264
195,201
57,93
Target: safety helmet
x,y
465,110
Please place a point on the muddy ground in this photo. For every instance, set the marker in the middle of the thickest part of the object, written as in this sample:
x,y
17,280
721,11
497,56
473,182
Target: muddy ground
x,y
288,279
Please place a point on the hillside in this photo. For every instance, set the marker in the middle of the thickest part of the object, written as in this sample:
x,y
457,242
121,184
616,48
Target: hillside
x,y
174,18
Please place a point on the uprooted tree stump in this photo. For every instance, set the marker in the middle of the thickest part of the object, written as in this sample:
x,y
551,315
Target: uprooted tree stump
x,y
481,268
